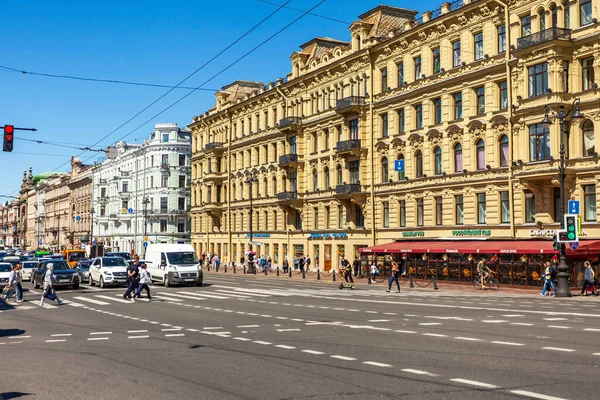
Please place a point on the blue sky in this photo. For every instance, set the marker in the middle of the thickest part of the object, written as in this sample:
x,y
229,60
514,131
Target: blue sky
x,y
152,41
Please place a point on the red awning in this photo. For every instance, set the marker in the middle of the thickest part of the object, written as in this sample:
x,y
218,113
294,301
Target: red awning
x,y
585,248
466,247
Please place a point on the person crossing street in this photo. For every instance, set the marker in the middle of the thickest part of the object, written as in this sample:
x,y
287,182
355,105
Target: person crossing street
x,y
133,276
49,280
394,277
145,280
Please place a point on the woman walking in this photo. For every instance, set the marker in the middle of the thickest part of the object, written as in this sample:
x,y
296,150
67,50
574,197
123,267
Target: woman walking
x,y
394,277
145,280
588,278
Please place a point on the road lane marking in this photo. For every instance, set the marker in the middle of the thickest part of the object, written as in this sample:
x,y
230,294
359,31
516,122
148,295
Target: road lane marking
x,y
474,383
377,364
100,333
313,352
555,319
55,340
261,342
247,326
379,320
430,323
174,334
244,339
138,331
138,337
208,328
535,395
265,316
170,329
467,338
494,321
98,338
19,337
417,372
592,329
513,315
559,327
93,301
434,334
289,330
558,349
192,330
283,346
60,334
401,331
113,299
507,343
521,323
343,358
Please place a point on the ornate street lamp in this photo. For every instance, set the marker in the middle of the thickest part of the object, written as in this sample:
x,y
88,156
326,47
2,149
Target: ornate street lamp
x,y
251,179
563,283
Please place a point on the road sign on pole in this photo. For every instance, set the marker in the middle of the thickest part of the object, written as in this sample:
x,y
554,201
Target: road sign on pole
x,y
256,243
145,244
573,207
130,211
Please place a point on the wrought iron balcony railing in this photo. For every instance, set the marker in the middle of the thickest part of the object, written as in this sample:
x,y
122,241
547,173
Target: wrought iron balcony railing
x,y
287,196
543,36
289,121
348,188
288,158
350,101
213,145
347,145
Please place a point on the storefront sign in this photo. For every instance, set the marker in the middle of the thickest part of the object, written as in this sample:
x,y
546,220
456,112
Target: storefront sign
x,y
549,232
327,235
413,234
472,232
259,235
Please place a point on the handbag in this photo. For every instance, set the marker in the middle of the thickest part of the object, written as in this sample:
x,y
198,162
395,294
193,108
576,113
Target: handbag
x,y
6,290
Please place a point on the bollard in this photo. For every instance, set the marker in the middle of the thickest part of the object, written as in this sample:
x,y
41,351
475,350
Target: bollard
x,y
244,269
369,278
234,268
411,281
266,270
434,281
318,274
289,272
278,270
333,274
303,274
225,268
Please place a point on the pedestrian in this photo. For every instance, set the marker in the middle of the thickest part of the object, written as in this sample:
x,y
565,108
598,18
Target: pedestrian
x,y
12,284
301,263
346,270
356,267
133,277
548,276
588,278
394,277
374,272
242,261
49,280
145,280
307,263
286,265
269,263
19,280
217,263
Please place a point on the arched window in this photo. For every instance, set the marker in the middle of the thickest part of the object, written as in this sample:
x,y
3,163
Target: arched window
x,y
567,15
297,69
401,174
554,14
542,17
327,179
503,151
265,191
384,170
480,154
315,180
437,155
339,174
274,186
458,160
418,164
589,145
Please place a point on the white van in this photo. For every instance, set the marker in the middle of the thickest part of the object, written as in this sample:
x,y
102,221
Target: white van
x,y
173,263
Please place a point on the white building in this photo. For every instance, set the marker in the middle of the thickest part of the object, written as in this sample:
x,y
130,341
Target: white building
x,y
143,194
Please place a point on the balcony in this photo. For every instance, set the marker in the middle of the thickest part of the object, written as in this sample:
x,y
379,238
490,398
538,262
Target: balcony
x,y
289,161
215,208
112,216
102,181
165,167
214,147
546,35
290,124
348,147
214,177
348,105
349,191
103,200
287,199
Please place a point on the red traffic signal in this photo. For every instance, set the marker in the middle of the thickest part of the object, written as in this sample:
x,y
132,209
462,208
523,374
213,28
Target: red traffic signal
x,y
9,131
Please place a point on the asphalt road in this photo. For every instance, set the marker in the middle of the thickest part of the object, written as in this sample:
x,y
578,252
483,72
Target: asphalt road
x,y
242,337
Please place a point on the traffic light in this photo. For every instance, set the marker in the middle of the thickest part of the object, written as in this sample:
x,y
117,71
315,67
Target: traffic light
x,y
556,245
571,227
9,136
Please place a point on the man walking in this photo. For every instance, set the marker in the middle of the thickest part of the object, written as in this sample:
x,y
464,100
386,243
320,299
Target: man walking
x,y
356,267
49,280
145,280
394,277
548,276
133,276
301,263
346,270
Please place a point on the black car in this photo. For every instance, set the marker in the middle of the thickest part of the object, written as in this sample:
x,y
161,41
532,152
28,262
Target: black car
x,y
83,266
64,274
123,254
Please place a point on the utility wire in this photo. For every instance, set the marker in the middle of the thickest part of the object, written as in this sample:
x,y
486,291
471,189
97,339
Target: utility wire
x,y
66,146
87,79
308,13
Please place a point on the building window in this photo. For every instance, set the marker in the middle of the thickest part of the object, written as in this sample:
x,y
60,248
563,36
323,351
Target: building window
x,y
292,142
478,39
554,13
526,25
436,60
182,160
327,179
420,212
182,181
481,208
589,145
102,211
542,18
458,159
401,171
567,14
480,102
339,174
587,72
418,164
315,218
480,154
504,208
384,170
419,116
125,187
354,129
456,53
401,121
180,226
459,210
585,12
458,106
439,210
384,79
165,160
386,214
503,89
538,79
589,202
298,221
315,177
181,203
340,216
565,73
539,143
417,63
163,225
437,156
402,211
164,181
327,217
400,67
556,196
384,125
437,111
503,151
124,205
165,138
501,38
360,219
354,167
164,202
529,206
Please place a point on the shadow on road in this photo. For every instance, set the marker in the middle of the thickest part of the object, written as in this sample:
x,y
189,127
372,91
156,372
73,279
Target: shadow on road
x,y
13,395
11,332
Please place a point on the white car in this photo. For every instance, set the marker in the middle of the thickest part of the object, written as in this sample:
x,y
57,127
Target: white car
x,y
5,269
108,271
27,271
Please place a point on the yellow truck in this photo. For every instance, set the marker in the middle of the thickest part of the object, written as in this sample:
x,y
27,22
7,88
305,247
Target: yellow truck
x,y
72,256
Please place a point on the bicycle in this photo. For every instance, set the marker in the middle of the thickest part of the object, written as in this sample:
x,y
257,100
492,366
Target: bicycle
x,y
490,282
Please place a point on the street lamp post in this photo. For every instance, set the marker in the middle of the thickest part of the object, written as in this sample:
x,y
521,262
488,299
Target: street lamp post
x,y
251,179
563,283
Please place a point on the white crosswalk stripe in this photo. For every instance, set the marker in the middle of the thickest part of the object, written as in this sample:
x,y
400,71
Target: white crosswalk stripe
x,y
112,299
93,301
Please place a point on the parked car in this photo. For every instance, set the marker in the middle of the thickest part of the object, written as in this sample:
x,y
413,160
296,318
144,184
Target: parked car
x,y
12,260
5,269
65,275
108,271
27,271
123,254
83,266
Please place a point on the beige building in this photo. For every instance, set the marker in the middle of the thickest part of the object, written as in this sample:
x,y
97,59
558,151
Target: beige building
x,y
58,215
9,224
425,127
80,200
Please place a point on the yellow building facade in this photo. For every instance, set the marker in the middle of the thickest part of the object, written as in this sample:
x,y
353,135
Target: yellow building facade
x,y
421,127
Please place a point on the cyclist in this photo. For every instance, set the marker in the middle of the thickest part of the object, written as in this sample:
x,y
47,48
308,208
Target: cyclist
x,y
347,270
483,271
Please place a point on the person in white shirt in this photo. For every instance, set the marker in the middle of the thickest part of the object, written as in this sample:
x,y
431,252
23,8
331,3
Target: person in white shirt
x,y
49,292
145,280
374,272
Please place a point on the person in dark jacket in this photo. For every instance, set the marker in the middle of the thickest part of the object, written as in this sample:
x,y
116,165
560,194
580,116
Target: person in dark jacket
x,y
356,266
588,278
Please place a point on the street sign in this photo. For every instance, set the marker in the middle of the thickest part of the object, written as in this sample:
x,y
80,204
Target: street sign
x,y
145,238
145,244
130,211
399,165
573,207
256,243
124,210
574,245
78,218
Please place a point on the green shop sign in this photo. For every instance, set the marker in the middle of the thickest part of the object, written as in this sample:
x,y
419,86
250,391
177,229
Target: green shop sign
x,y
472,232
413,234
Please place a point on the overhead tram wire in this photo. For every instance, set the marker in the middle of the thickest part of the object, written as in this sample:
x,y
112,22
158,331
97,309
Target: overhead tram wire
x,y
311,14
183,80
66,146
223,70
